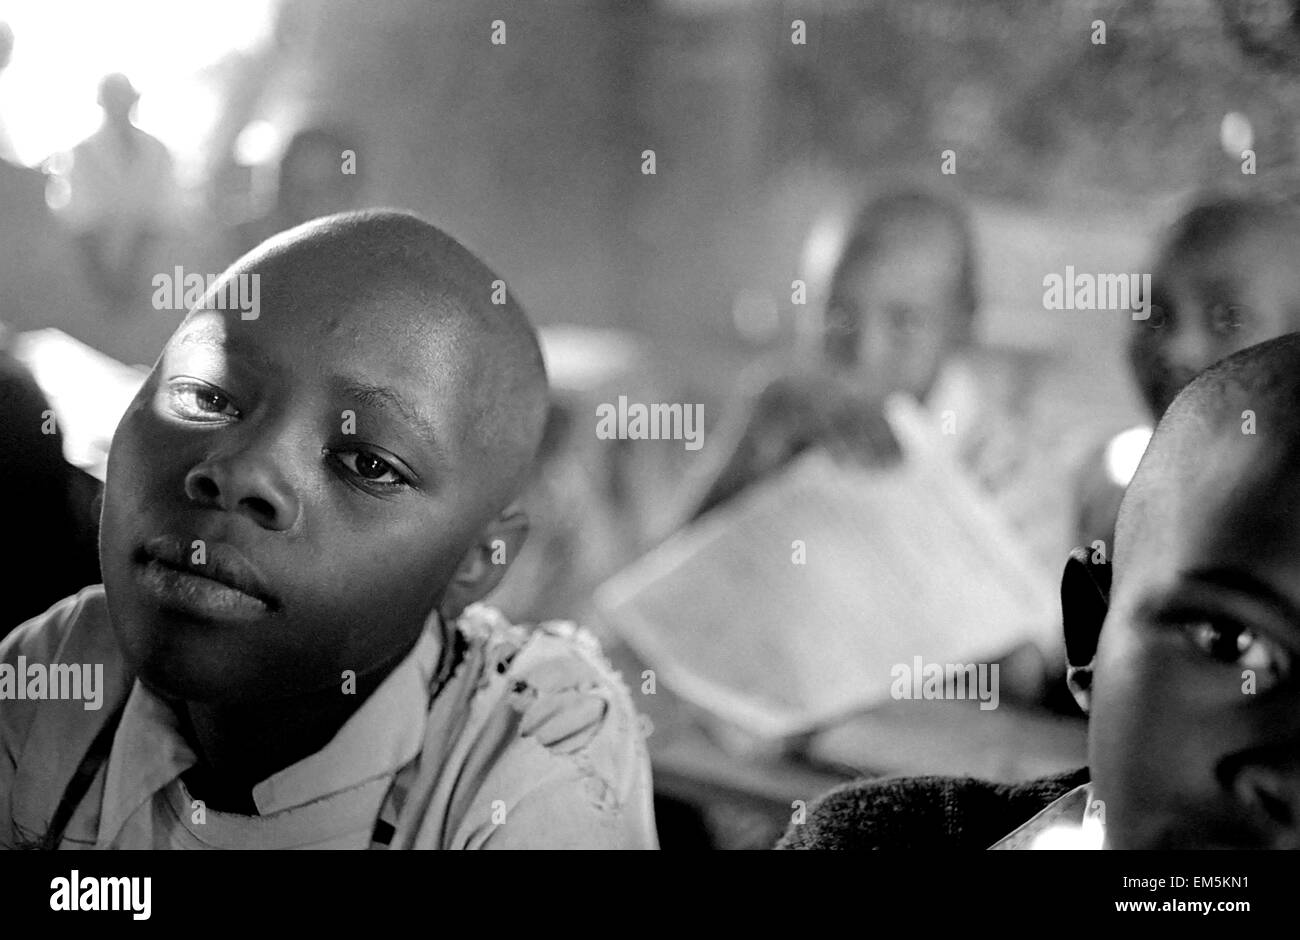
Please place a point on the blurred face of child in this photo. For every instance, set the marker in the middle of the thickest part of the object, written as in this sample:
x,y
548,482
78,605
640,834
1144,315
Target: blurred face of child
x,y
1210,302
1194,732
325,540
905,304
313,184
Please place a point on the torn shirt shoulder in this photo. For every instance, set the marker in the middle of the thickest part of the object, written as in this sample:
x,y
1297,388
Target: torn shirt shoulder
x,y
553,753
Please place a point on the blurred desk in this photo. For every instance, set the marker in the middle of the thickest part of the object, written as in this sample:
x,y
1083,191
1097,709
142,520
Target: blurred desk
x,y
87,390
743,792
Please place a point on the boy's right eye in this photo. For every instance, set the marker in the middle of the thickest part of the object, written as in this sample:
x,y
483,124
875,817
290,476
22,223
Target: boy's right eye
x,y
197,401
1228,643
906,320
1228,318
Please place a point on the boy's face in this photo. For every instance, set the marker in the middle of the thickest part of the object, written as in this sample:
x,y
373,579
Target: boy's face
x,y
1210,302
904,299
1194,732
322,454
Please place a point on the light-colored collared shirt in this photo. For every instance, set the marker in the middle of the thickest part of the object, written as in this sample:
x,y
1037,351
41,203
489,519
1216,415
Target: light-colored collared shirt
x,y
532,742
1074,821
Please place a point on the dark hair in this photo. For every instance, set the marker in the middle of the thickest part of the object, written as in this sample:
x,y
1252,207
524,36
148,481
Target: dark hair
x,y
868,234
315,137
1214,218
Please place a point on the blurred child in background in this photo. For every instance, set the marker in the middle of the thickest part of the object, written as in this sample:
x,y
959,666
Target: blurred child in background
x,y
1224,277
1186,666
314,179
901,303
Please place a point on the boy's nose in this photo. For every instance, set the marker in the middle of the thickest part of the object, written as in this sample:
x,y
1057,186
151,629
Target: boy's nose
x,y
249,487
1190,350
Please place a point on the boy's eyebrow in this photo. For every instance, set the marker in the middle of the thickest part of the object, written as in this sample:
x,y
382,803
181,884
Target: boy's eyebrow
x,y
1242,582
378,396
216,337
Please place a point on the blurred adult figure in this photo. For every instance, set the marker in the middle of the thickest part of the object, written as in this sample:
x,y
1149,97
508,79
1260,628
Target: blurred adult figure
x,y
29,241
122,196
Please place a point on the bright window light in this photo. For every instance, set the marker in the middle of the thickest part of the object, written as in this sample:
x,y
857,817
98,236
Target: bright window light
x,y
62,48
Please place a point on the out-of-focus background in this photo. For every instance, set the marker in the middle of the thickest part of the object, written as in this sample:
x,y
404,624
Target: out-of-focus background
x,y
531,150
661,286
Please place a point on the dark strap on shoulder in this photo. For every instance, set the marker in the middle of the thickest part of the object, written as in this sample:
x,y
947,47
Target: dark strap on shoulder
x,y
75,792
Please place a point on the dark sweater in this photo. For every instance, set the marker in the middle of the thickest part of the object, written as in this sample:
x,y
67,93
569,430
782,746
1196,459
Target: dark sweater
x,y
942,813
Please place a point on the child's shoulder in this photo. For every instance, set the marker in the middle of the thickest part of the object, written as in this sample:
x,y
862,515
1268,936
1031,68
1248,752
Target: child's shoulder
x,y
553,678
541,661
71,629
76,630
550,739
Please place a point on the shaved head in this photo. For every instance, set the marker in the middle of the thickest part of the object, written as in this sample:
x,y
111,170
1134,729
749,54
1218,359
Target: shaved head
x,y
385,258
351,453
1244,408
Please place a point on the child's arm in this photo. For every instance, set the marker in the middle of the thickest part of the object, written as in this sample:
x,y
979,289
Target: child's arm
x,y
784,417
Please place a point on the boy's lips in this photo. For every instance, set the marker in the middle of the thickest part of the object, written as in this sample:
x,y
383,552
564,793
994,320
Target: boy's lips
x,y
175,572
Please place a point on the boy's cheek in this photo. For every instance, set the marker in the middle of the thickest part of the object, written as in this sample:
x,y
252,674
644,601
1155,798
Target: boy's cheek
x,y
140,455
1155,740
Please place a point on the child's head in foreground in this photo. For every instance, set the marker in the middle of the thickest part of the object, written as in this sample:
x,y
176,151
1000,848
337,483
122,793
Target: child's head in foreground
x,y
902,293
1193,697
348,460
1224,278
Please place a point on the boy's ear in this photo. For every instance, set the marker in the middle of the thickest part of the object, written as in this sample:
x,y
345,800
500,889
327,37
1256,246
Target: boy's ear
x,y
486,561
1085,598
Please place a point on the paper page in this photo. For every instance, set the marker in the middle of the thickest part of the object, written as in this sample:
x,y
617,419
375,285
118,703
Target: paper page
x,y
787,609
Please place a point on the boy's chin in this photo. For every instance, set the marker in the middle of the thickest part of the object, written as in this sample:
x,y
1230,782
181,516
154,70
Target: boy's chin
x,y
179,680
181,660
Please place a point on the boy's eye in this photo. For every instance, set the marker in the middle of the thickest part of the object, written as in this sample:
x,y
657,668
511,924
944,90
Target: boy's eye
x,y
1241,646
907,320
201,402
369,467
1158,318
1228,318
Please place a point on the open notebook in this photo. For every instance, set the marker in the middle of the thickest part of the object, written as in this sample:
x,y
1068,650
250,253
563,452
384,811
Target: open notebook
x,y
898,562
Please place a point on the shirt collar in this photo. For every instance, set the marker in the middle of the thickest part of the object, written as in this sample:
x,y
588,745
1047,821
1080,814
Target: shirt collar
x,y
149,751
381,736
1074,821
